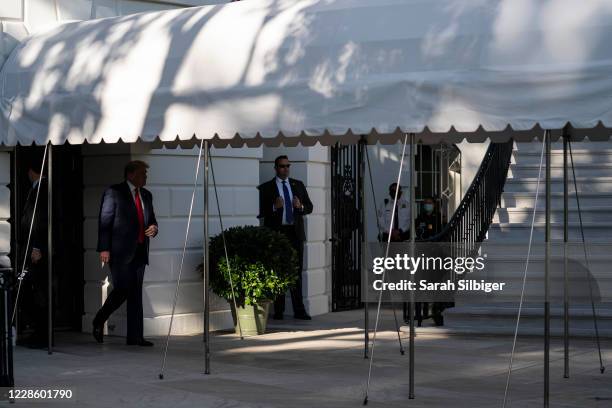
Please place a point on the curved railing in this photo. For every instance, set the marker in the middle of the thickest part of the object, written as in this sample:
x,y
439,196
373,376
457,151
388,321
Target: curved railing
x,y
472,218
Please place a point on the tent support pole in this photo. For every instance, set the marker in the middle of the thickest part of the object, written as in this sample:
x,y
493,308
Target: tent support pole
x,y
379,303
380,234
50,251
412,242
16,216
227,262
364,242
180,273
206,263
602,368
547,278
565,281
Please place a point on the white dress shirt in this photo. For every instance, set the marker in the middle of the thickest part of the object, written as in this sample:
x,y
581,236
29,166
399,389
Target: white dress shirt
x,y
133,191
279,186
403,215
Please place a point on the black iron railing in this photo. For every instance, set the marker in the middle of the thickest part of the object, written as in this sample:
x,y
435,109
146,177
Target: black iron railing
x,y
6,328
347,228
470,222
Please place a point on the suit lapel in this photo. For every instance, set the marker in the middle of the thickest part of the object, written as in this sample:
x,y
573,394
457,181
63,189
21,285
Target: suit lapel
x,y
145,206
127,195
295,189
274,189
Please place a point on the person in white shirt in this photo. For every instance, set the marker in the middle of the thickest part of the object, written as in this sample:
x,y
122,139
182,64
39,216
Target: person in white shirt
x,y
400,229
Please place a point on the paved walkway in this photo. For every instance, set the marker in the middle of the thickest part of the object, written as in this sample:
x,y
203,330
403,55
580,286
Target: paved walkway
x,y
313,364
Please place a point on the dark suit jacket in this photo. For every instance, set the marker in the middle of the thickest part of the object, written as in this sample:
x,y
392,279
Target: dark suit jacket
x,y
39,237
118,222
274,219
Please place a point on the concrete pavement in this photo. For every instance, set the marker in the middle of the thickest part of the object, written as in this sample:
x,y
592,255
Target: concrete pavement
x,y
313,364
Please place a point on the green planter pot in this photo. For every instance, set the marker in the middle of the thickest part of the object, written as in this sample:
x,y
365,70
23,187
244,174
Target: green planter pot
x,y
253,319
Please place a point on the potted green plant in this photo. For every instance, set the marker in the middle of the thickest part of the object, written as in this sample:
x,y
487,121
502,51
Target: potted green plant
x,y
262,266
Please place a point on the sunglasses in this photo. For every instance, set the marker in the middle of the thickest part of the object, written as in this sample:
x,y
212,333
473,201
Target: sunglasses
x,y
283,166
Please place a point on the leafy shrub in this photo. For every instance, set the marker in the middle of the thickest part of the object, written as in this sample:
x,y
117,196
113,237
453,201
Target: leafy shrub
x,y
263,264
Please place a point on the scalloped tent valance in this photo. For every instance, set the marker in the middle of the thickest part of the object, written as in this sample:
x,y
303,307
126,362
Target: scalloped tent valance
x,y
306,71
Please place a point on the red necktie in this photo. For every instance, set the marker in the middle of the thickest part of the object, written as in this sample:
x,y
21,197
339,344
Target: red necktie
x,y
140,212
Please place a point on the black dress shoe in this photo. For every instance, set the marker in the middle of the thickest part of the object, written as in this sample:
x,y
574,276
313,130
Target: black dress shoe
x,y
302,316
141,342
98,333
438,320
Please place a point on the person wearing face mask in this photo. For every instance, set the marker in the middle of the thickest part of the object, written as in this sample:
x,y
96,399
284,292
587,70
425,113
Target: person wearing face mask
x,y
428,223
400,230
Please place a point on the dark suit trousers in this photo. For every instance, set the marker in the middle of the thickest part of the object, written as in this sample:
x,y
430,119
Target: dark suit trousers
x,y
127,285
36,302
297,299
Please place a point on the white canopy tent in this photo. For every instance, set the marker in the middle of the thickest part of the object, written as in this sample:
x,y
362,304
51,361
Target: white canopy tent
x,y
306,71
272,70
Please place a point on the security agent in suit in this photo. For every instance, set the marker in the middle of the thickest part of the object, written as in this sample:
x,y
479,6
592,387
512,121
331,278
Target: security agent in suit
x,y
36,301
283,203
127,222
400,230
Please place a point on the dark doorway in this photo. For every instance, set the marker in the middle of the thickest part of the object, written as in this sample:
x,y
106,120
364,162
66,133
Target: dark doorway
x,y
67,195
347,228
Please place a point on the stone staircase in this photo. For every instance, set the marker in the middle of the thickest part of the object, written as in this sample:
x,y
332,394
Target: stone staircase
x,y
511,227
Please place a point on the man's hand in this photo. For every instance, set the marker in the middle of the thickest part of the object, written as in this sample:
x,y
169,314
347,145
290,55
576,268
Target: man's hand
x,y
279,203
105,257
36,255
151,231
297,203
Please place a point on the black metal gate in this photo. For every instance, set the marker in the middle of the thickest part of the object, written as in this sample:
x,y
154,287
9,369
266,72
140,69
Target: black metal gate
x,y
347,226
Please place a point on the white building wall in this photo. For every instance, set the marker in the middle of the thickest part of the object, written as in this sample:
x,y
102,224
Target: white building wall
x,y
471,157
171,177
312,166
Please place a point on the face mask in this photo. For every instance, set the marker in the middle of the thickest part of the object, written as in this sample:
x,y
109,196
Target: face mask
x,y
428,208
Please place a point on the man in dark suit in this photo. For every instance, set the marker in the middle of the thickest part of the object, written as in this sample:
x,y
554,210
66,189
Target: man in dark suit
x,y
36,258
127,222
283,202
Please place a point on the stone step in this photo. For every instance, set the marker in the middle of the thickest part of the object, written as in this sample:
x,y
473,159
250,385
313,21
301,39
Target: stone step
x,y
510,231
535,290
526,199
585,184
518,171
525,215
501,319
581,156
506,252
519,233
